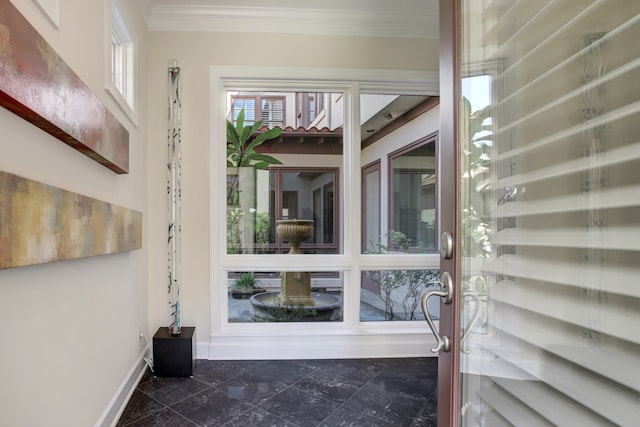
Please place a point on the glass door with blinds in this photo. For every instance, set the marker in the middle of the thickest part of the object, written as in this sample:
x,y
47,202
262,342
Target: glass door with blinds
x,y
548,131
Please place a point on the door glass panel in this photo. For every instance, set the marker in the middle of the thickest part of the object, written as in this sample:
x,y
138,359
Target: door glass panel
x,y
549,155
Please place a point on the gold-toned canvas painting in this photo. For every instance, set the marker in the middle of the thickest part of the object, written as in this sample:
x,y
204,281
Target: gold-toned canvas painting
x,y
40,223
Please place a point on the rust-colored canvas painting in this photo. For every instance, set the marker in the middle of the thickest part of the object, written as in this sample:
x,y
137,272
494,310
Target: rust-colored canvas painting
x,y
37,85
40,223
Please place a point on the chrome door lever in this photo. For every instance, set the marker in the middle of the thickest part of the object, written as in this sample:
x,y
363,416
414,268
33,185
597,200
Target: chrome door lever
x,y
446,293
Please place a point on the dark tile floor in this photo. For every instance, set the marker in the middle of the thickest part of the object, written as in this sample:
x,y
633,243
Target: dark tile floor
x,y
289,393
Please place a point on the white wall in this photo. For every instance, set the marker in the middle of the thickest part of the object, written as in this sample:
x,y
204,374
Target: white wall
x,y
69,334
195,53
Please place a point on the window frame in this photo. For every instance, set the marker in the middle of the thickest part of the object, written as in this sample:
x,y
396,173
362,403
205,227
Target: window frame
x,y
122,64
429,139
303,109
351,337
375,166
258,108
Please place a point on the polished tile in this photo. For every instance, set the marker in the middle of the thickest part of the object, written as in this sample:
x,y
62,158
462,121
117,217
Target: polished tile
x,y
258,418
139,406
213,372
299,407
290,393
377,401
347,417
329,386
360,371
252,387
286,371
164,417
171,390
211,408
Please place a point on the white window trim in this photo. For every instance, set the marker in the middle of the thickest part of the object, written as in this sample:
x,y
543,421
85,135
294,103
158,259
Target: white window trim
x,y
347,339
129,41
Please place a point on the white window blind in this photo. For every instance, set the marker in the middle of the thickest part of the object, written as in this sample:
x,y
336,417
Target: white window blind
x,y
561,340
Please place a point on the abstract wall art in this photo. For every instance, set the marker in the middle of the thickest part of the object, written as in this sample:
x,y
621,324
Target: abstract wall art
x,y
37,85
40,223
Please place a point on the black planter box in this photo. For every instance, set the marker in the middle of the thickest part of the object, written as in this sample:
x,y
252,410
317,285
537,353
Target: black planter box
x,y
174,356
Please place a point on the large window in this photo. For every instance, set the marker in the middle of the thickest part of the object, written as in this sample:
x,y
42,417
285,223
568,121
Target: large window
x,y
315,182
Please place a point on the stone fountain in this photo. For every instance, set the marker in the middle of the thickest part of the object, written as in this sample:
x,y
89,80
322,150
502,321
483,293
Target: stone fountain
x,y
295,288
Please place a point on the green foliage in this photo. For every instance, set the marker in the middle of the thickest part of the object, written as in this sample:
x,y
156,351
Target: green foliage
x,y
478,138
234,215
398,240
246,281
241,152
290,312
410,282
263,232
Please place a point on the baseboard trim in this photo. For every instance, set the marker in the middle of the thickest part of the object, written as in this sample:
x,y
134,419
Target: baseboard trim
x,y
202,349
316,347
118,403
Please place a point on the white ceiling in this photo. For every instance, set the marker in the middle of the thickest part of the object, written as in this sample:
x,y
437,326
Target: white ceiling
x,y
370,18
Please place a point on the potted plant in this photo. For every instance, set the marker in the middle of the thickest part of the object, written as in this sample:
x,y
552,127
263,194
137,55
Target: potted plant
x,y
242,162
245,286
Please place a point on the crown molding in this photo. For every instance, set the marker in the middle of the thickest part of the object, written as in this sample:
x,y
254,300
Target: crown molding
x,y
171,17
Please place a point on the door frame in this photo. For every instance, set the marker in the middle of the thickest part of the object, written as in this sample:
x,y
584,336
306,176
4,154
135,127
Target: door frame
x,y
449,362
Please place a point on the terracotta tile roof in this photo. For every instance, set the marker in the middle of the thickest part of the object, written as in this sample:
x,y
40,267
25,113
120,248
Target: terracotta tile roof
x,y
304,141
302,130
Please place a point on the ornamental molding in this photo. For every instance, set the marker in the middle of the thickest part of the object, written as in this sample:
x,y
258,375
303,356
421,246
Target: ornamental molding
x,y
171,17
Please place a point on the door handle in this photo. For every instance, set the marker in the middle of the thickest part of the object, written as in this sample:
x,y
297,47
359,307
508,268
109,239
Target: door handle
x,y
446,293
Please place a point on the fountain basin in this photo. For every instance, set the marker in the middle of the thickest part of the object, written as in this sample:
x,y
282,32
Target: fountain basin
x,y
267,307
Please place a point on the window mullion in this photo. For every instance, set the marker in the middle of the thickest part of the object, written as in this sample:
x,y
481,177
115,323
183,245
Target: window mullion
x,y
352,204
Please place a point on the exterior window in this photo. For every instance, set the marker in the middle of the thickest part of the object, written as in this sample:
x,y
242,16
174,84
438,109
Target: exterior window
x,y
293,193
371,206
123,62
412,222
309,107
289,199
271,110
